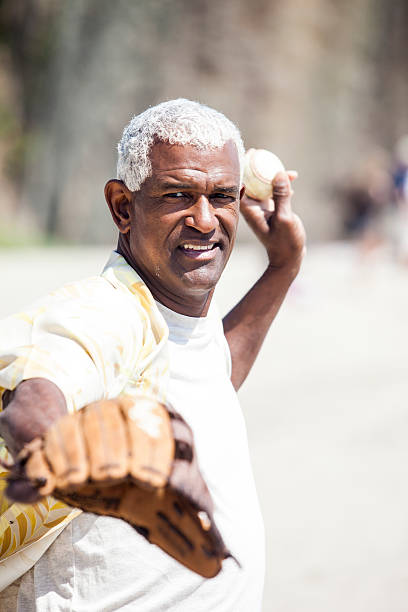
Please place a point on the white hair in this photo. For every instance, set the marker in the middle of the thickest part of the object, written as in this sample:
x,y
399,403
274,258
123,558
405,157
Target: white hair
x,y
181,122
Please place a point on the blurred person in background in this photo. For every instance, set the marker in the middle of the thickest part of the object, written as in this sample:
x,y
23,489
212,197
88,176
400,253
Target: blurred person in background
x,y
400,180
367,201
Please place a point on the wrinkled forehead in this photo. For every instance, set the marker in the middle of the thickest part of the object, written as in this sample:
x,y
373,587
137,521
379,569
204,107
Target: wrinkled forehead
x,y
169,158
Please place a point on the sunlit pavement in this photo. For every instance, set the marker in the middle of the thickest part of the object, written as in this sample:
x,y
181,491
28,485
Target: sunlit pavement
x,y
327,416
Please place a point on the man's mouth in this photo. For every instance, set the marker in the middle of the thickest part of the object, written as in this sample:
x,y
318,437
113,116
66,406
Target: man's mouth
x,y
200,251
196,247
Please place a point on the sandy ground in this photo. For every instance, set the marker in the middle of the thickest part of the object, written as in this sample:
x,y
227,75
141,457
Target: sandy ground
x,y
327,420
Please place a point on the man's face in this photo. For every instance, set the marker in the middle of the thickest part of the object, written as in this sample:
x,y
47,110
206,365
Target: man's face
x,y
183,220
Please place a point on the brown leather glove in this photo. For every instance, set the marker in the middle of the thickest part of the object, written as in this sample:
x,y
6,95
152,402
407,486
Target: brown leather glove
x,y
132,459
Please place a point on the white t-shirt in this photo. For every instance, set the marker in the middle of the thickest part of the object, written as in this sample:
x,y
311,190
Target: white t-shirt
x,y
99,564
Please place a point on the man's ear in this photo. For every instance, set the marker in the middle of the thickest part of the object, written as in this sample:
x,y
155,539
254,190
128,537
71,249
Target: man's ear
x,y
119,199
242,192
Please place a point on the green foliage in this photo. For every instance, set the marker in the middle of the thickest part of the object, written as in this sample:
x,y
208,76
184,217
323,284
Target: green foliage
x,y
12,237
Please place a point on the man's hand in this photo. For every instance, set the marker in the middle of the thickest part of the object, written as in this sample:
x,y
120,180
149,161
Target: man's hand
x,y
276,226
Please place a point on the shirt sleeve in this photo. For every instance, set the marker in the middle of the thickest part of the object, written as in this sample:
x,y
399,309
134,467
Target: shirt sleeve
x,y
89,338
81,339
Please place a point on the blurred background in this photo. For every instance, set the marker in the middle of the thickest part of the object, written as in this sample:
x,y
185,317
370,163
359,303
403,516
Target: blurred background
x,y
324,85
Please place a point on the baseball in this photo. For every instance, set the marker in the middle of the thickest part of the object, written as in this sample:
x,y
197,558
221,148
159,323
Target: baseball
x,y
260,168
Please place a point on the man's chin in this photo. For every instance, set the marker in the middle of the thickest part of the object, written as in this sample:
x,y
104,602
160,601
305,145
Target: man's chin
x,y
200,280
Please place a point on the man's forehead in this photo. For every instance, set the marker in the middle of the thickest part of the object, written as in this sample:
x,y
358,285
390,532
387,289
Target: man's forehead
x,y
166,157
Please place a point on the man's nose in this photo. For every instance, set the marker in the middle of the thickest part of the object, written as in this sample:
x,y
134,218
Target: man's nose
x,y
201,216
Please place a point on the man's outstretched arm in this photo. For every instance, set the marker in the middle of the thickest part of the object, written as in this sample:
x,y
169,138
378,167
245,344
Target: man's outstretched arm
x,y
283,236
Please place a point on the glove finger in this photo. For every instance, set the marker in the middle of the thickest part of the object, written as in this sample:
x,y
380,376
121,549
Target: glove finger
x,y
167,519
205,549
65,451
106,441
104,500
39,473
150,440
186,477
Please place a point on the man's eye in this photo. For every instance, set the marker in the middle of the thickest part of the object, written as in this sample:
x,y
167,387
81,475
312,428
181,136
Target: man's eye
x,y
222,196
176,194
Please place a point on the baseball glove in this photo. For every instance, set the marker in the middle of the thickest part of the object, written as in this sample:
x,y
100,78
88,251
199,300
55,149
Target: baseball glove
x,y
130,459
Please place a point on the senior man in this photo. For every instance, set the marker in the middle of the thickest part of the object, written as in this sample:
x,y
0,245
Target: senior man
x,y
148,325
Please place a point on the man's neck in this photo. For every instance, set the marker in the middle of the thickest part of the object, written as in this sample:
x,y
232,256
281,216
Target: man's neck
x,y
188,305
190,309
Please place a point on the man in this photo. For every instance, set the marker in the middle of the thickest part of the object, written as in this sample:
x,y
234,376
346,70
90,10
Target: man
x,y
148,326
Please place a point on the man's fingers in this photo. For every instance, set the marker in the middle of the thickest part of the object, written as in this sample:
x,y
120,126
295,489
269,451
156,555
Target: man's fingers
x,y
281,193
255,213
258,213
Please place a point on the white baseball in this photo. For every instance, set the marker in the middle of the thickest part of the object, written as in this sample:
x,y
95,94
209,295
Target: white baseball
x,y
260,168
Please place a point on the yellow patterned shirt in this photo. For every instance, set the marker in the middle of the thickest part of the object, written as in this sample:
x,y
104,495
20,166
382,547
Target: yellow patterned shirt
x,y
97,338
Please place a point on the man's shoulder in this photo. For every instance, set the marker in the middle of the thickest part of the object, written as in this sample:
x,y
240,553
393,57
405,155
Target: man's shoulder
x,y
90,300
94,291
92,308
92,287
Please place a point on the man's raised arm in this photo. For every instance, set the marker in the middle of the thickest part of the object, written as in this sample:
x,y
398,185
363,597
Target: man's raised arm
x,y
283,236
